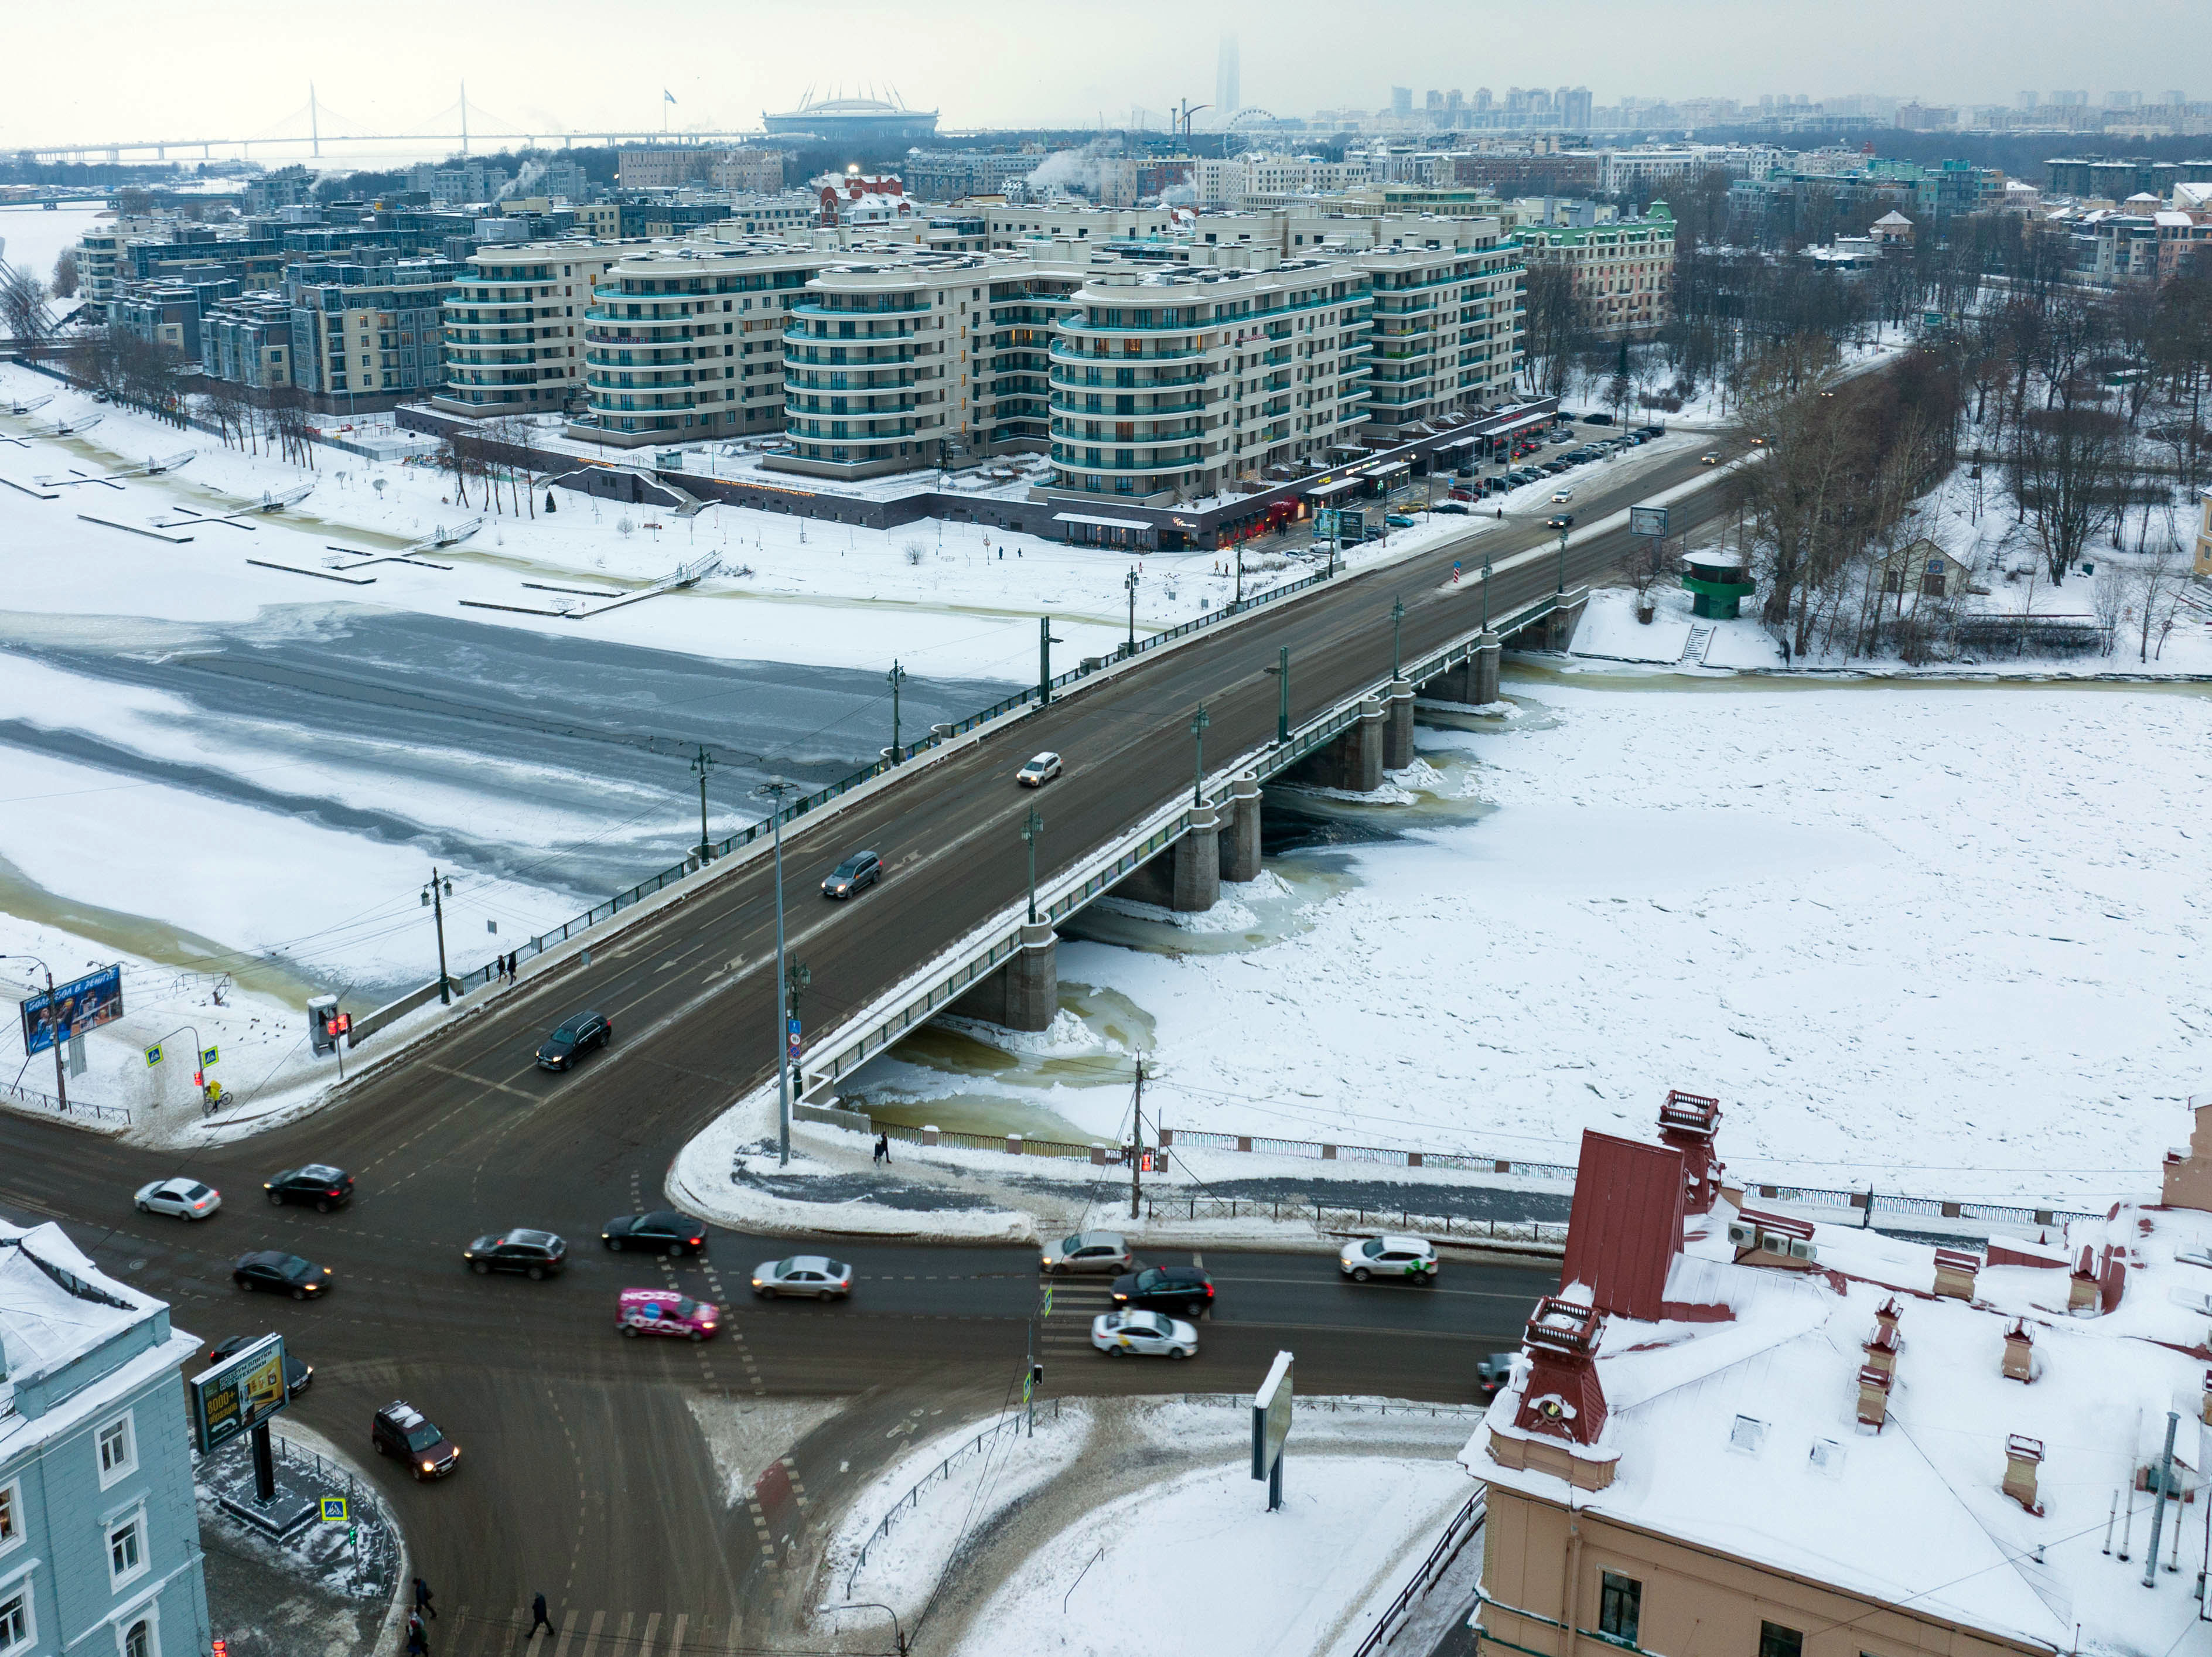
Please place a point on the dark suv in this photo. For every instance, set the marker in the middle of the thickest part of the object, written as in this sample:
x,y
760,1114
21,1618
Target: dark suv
x,y
535,1254
576,1036
400,1429
317,1183
1179,1291
861,869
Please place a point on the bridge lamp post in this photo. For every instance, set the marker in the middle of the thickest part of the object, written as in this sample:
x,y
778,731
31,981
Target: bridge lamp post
x,y
1130,581
1563,560
774,790
1283,707
1397,617
898,676
1486,589
1032,830
699,767
433,899
1199,722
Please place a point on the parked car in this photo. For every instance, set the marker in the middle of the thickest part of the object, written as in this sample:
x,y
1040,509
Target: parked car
x,y
809,1276
318,1184
1462,494
186,1197
1088,1250
1182,1291
661,1312
299,1375
862,868
280,1273
1040,771
402,1430
1117,1334
1389,1256
1597,419
663,1230
1651,431
535,1254
572,1038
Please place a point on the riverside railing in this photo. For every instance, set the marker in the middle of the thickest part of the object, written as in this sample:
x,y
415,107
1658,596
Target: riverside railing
x,y
938,1474
1467,1520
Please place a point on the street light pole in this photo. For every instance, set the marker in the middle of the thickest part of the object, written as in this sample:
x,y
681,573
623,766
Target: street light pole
x,y
1240,574
1032,830
795,984
1486,589
1283,707
775,790
1199,722
1130,581
1045,641
898,676
701,765
1563,560
61,1085
1397,617
433,897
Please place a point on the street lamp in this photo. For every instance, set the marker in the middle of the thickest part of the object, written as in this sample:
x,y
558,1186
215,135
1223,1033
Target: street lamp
x,y
1563,560
796,981
1130,581
1032,830
898,1636
61,1085
774,790
699,766
1283,709
1486,589
1240,574
898,676
1199,722
433,899
1397,616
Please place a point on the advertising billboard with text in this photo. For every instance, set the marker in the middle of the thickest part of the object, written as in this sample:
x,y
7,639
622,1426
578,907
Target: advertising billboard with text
x,y
73,1009
238,1394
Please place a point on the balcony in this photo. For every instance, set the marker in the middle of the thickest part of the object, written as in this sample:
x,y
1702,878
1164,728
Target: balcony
x,y
858,313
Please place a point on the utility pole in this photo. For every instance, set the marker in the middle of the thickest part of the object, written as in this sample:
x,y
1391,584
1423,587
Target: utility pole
x,y
433,897
1397,616
1240,574
1199,722
898,676
775,790
1032,828
795,984
1045,641
700,766
61,1083
1130,581
1562,559
1137,1141
1283,710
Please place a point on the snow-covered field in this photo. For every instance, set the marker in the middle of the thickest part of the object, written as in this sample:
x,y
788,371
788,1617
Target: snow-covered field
x,y
1942,938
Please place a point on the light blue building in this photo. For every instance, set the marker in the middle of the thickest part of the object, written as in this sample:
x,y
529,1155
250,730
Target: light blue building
x,y
100,1542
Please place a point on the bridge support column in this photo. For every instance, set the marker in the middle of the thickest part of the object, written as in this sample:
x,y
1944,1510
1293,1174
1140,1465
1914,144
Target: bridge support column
x,y
1363,750
1398,726
1024,993
1482,664
1198,862
1240,838
1559,626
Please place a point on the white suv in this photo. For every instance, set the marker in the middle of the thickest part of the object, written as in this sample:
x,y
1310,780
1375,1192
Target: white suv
x,y
1389,1256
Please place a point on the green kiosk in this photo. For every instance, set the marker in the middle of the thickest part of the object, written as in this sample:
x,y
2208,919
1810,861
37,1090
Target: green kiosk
x,y
1718,581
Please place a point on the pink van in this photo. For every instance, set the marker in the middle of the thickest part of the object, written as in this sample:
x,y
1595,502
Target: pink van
x,y
658,1312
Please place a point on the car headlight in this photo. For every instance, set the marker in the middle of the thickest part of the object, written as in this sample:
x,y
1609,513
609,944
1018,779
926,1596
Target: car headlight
x,y
426,1466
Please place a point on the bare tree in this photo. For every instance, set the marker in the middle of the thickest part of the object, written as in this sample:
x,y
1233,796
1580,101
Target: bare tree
x,y
2066,463
2157,595
23,315
65,282
453,457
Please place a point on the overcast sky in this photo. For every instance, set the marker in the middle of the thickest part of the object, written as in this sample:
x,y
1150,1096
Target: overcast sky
x,y
232,68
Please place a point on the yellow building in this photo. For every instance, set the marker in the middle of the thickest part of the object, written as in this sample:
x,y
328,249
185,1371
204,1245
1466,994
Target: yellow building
x,y
514,328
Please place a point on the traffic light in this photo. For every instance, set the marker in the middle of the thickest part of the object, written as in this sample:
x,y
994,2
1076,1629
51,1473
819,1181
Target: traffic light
x,y
341,1023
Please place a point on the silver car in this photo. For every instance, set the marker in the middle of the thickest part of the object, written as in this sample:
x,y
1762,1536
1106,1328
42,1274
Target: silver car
x,y
188,1199
1088,1250
1118,1334
1040,771
1389,1256
809,1277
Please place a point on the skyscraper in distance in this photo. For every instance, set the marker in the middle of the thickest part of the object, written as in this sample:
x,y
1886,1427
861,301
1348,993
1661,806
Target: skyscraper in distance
x,y
1228,98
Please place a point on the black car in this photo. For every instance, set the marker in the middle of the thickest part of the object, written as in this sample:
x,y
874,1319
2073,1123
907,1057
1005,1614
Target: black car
x,y
280,1274
862,868
661,1232
1179,1291
576,1036
401,1429
1561,521
1452,508
535,1254
298,1375
317,1183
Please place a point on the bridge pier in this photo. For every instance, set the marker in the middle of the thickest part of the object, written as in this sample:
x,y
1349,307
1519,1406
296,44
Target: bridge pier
x,y
1398,726
1024,993
1558,632
1353,762
1198,863
1483,661
1239,841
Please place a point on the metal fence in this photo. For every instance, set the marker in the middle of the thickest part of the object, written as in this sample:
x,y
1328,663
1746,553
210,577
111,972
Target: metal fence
x,y
938,1474
980,1141
32,1099
1464,1523
1317,1150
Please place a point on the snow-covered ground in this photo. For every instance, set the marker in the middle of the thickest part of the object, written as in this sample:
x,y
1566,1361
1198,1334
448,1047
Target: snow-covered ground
x,y
31,238
1943,938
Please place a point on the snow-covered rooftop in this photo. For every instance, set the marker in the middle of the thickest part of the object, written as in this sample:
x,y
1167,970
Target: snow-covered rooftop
x,y
55,1305
1735,1424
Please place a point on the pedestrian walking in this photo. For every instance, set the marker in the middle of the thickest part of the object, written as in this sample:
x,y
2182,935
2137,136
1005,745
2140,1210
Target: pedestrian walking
x,y
422,1598
882,1151
538,1619
418,1642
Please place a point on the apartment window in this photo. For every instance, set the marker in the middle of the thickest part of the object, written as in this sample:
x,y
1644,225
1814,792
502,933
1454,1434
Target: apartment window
x,y
126,1549
17,1630
1620,1606
118,1450
1776,1641
140,1639
11,1521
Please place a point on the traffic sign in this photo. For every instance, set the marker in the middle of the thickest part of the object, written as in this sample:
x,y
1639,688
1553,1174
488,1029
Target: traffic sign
x,y
794,1027
153,1055
1648,520
334,1510
210,1055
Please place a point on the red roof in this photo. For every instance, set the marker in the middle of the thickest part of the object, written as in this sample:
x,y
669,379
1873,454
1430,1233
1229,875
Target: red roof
x,y
1625,1227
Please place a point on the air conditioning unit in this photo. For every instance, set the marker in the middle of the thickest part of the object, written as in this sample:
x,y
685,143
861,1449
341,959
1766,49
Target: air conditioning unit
x,y
1774,1243
1741,1234
1803,1250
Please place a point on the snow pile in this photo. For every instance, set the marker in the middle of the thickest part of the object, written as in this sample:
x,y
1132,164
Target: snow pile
x,y
1226,915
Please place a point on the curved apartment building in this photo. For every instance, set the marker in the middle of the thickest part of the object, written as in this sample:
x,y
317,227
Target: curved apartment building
x,y
514,328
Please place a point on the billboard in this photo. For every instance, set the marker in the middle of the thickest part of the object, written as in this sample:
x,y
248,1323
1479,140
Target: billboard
x,y
73,1009
1271,1417
238,1394
1648,520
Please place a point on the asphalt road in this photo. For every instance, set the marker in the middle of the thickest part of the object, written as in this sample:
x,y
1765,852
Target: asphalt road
x,y
584,1474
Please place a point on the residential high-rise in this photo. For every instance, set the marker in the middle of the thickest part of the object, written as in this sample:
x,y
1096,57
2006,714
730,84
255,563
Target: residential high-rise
x,y
1228,96
1401,101
513,325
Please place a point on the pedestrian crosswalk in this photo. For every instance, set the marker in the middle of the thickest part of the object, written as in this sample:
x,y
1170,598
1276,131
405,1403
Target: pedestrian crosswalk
x,y
474,1631
1065,1309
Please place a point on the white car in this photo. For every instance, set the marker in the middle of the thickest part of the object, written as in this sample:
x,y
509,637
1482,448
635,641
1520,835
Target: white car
x,y
1389,1256
1088,1250
809,1276
188,1199
1562,496
1040,771
1155,1334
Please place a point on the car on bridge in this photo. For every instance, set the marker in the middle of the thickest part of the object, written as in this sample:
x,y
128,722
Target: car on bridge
x,y
1184,1291
186,1197
1118,1334
1389,1256
535,1254
808,1277
400,1429
662,1231
1710,458
663,1311
862,868
1561,521
299,1375
1088,1250
318,1184
1040,771
574,1038
280,1273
